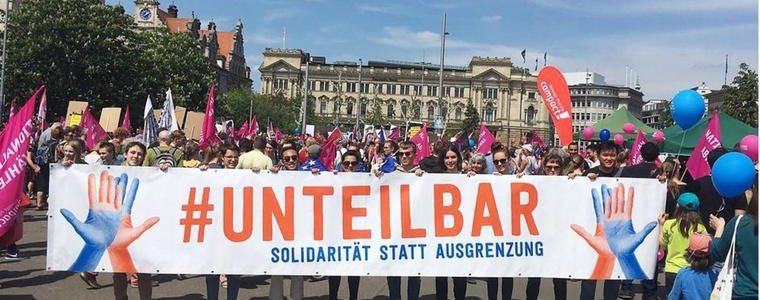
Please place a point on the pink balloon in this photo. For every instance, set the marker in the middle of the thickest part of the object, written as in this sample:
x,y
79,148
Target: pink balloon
x,y
619,139
748,146
588,133
628,128
658,136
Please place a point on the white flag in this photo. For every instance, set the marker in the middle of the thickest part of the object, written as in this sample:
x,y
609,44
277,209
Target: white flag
x,y
168,117
149,124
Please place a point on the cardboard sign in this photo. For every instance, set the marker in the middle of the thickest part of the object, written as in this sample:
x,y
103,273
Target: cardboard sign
x,y
180,112
109,118
75,108
157,114
193,124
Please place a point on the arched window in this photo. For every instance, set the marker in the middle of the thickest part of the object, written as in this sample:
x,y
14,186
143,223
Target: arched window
x,y
458,113
363,108
322,106
431,111
350,108
336,106
391,111
417,111
489,112
530,114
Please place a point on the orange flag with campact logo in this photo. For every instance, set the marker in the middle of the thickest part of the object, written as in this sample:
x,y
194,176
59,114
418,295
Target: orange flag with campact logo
x,y
556,95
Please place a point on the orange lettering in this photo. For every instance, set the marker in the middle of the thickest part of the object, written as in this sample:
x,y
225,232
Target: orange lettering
x,y
385,212
442,210
229,230
271,208
318,192
485,201
406,216
349,212
523,209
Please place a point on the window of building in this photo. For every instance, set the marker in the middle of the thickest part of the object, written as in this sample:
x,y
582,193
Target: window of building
x,y
532,95
447,91
379,88
405,89
530,114
323,86
432,91
458,113
430,112
459,92
405,109
351,87
364,88
391,89
362,108
322,107
336,107
417,111
350,108
281,84
489,112
391,111
312,85
489,93
336,86
417,90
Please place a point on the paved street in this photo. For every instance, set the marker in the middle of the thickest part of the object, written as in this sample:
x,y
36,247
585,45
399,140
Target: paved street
x,y
27,279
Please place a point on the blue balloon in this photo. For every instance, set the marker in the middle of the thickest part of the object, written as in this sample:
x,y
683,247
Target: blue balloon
x,y
604,135
472,143
687,108
732,174
297,130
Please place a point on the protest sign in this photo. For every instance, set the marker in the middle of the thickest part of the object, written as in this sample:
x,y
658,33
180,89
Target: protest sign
x,y
180,112
193,124
74,112
296,223
109,118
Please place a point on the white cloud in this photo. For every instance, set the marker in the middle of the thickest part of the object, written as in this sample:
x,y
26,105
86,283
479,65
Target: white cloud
x,y
495,18
277,14
649,6
263,39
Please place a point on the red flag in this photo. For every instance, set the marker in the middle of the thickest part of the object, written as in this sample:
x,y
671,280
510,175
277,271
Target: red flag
x,y
556,95
537,140
635,157
422,142
697,163
485,140
395,134
14,143
95,133
42,111
208,129
243,132
327,156
253,126
270,130
126,123
278,134
13,109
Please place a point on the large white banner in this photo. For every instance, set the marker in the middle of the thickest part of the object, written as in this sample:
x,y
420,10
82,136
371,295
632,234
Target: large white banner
x,y
187,221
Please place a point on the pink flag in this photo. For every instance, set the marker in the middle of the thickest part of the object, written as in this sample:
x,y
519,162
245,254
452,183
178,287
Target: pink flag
x,y
253,126
243,132
697,163
327,156
278,134
395,134
485,140
270,129
13,109
537,140
635,157
208,129
14,143
422,142
126,123
95,133
42,111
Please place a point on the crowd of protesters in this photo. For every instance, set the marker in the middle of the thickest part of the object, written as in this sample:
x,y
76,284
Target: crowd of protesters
x,y
693,230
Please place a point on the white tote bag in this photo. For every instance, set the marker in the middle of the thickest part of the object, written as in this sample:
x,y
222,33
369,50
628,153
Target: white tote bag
x,y
725,284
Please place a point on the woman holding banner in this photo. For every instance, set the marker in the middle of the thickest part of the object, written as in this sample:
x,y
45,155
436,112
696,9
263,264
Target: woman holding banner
x,y
503,165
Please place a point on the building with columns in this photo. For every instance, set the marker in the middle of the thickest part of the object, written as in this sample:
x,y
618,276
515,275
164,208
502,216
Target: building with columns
x,y
224,49
504,95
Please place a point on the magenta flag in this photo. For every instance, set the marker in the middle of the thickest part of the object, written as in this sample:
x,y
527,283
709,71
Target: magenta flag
x,y
13,109
421,140
253,126
395,134
42,111
485,140
14,143
243,132
635,157
126,123
208,128
278,134
710,140
537,140
327,156
270,129
95,133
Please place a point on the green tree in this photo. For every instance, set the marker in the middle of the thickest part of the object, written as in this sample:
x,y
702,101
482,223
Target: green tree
x,y
471,120
741,96
281,111
666,117
83,50
376,113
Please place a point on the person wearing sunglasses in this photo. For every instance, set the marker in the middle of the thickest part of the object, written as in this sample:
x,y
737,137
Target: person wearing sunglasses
x,y
289,161
504,165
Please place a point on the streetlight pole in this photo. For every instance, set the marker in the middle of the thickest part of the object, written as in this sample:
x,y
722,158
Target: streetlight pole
x,y
358,111
305,95
440,71
5,56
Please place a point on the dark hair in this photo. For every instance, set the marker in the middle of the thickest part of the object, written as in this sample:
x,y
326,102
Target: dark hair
x,y
688,221
121,133
442,157
228,147
558,159
109,147
713,156
573,143
437,146
282,151
393,143
351,153
698,262
408,145
496,146
177,134
191,150
135,143
259,143
211,153
593,148
246,145
607,146
650,151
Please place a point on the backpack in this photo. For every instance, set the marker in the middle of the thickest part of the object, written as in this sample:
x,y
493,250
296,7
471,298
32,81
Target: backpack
x,y
46,152
164,155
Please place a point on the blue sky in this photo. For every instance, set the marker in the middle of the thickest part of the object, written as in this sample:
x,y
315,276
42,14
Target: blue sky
x,y
671,44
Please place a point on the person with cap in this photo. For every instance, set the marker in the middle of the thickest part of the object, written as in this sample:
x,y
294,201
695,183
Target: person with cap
x,y
675,235
695,281
527,163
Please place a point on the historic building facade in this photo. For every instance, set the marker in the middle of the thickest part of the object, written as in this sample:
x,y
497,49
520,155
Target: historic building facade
x,y
595,102
504,95
224,49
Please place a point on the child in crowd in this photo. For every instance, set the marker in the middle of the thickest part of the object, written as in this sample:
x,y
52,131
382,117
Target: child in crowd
x,y
697,280
676,232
